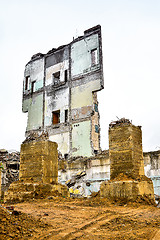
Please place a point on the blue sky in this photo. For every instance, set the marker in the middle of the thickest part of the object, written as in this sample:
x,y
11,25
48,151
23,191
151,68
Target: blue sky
x,y
131,53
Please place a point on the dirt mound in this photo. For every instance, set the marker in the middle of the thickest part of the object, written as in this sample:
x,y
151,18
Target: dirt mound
x,y
93,219
18,225
84,219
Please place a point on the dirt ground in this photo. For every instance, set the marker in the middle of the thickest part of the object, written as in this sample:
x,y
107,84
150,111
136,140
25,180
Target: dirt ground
x,y
91,219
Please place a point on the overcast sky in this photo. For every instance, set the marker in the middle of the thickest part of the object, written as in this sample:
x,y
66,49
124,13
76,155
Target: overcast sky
x,y
131,53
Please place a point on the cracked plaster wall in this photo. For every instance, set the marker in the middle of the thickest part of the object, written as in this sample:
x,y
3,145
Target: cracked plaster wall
x,y
80,77
152,168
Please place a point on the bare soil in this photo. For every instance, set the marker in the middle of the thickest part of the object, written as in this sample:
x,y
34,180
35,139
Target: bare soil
x,y
92,219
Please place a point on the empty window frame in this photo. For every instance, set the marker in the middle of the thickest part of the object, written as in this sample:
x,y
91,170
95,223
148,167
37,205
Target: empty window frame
x,y
94,57
56,78
66,156
66,115
65,75
96,128
27,80
33,86
95,152
96,107
56,117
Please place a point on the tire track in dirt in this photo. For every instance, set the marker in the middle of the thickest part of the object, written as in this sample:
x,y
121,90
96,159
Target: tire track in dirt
x,y
84,228
156,236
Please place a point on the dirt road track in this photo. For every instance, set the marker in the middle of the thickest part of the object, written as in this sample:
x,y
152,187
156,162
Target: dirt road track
x,y
91,219
94,219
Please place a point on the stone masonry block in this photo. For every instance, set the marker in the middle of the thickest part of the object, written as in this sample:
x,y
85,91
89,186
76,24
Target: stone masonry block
x,y
39,161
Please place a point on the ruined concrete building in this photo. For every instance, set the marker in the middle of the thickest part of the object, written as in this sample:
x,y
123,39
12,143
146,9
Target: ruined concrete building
x,y
10,161
60,94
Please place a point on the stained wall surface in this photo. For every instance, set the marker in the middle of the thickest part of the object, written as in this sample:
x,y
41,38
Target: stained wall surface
x,y
39,162
152,168
60,94
125,150
81,55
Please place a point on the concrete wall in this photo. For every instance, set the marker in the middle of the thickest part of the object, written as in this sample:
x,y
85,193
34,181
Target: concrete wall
x,y
59,100
81,139
152,168
97,169
32,101
62,66
81,55
67,78
35,70
35,111
62,139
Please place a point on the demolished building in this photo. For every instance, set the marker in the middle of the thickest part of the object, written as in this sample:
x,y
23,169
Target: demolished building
x,y
10,161
60,94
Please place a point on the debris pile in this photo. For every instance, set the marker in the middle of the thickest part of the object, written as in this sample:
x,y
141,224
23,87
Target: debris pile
x,y
10,162
17,225
119,122
75,184
34,136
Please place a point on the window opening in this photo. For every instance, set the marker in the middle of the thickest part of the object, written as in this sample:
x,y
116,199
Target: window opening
x,y
65,76
95,152
27,82
94,59
33,87
56,117
96,107
56,78
66,115
66,156
96,128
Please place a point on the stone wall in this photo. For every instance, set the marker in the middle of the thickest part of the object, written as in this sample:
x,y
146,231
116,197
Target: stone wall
x,y
125,150
38,171
39,161
127,180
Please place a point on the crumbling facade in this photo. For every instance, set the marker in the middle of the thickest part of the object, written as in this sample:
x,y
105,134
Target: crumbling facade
x,y
152,168
127,179
38,175
10,162
60,94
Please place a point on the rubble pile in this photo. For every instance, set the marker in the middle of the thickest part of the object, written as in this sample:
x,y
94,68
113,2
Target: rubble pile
x,y
17,225
34,136
10,161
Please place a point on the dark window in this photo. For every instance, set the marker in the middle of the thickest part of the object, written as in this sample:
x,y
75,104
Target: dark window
x,y
96,107
94,59
56,78
27,82
65,156
33,87
95,152
66,115
56,117
65,76
96,128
